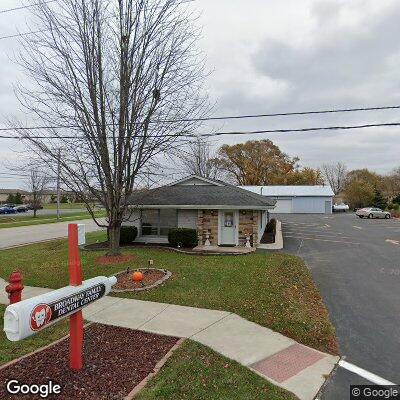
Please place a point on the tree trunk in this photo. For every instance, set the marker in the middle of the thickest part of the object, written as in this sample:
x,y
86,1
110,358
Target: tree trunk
x,y
114,231
34,212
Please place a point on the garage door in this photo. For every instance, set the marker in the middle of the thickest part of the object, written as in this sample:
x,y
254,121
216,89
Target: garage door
x,y
283,206
309,205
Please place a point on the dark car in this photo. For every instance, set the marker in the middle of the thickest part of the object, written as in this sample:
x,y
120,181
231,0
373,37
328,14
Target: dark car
x,y
7,210
21,209
30,207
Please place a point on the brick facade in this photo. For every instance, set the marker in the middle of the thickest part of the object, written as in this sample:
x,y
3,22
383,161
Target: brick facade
x,y
248,225
207,223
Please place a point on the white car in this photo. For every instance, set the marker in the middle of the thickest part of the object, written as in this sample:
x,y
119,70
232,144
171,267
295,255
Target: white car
x,y
340,207
372,212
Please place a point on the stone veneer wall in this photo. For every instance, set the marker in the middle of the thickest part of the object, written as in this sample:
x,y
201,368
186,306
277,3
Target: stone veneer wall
x,y
248,222
207,222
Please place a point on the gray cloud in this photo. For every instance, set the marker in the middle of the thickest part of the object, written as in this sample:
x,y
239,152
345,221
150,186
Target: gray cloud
x,y
344,62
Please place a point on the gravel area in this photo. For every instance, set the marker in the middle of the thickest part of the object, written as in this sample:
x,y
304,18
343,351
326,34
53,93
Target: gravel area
x,y
116,360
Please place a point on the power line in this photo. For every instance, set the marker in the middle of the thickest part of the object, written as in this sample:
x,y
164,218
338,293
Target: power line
x,y
12,174
23,7
281,114
42,30
324,128
233,133
285,114
21,34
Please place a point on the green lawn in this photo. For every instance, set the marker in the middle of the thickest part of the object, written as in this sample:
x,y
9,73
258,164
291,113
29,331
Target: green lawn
x,y
272,289
12,222
11,350
67,206
195,372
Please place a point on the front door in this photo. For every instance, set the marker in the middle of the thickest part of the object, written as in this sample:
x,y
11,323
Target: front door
x,y
228,224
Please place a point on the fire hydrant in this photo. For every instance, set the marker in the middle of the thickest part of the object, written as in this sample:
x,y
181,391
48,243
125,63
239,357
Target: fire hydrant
x,y
15,287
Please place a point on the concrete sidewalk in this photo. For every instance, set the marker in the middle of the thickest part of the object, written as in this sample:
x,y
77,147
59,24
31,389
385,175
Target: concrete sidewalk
x,y
281,360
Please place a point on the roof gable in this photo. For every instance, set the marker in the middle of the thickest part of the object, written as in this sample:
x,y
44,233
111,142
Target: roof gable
x,y
196,180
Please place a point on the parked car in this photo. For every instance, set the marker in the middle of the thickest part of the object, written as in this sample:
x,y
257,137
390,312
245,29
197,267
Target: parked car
x,y
372,212
340,207
30,207
9,205
7,210
21,208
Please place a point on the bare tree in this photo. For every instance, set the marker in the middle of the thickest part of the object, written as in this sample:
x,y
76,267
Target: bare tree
x,y
37,184
335,175
198,159
123,78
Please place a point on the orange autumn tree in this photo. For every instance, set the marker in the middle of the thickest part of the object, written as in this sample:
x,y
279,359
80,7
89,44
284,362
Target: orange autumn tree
x,y
261,162
306,176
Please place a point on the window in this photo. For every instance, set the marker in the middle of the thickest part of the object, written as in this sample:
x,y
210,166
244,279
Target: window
x,y
158,222
168,220
149,222
228,219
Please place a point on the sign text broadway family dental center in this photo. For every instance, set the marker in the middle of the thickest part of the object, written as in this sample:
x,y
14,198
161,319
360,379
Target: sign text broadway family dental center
x,y
76,301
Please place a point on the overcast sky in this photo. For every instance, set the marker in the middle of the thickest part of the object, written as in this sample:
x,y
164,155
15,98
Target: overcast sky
x,y
281,56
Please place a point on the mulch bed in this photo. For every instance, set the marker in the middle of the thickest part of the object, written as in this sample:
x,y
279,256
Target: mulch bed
x,y
116,360
104,246
150,277
110,260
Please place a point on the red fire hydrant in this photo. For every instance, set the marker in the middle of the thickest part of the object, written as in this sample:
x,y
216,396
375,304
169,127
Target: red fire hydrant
x,y
14,289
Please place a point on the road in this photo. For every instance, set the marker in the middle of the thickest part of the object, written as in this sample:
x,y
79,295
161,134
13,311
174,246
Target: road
x,y
44,212
36,233
356,266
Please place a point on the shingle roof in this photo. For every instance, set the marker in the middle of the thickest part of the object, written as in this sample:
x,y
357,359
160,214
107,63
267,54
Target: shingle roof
x,y
306,191
200,195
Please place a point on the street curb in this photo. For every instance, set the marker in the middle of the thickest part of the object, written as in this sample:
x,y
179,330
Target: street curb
x,y
30,243
330,376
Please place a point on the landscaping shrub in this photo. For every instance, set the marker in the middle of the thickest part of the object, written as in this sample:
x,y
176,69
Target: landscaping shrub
x,y
396,199
271,226
270,232
184,236
395,213
128,234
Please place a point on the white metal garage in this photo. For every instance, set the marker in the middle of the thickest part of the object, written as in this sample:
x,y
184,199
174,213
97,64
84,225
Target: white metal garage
x,y
283,206
315,199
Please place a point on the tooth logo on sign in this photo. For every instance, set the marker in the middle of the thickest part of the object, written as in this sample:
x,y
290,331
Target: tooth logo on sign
x,y
40,316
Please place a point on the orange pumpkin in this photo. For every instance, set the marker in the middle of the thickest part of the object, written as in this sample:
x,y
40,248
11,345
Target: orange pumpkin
x,y
137,276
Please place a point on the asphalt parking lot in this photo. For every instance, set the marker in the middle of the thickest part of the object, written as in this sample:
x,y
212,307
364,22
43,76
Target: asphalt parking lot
x,y
356,265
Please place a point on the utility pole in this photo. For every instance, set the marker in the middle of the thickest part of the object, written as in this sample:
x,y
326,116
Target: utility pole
x,y
58,182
